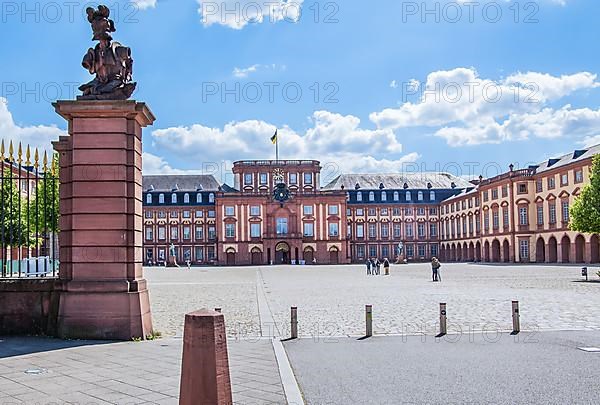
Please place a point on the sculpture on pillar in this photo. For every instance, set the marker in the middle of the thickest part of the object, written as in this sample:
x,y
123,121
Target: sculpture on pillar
x,y
109,61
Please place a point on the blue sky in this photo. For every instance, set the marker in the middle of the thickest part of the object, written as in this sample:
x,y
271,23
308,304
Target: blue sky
x,y
371,64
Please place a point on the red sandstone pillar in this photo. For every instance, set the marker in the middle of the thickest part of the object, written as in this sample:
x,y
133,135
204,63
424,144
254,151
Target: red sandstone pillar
x,y
205,376
103,294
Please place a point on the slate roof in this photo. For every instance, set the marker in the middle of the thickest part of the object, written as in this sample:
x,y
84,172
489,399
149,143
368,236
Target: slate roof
x,y
169,183
397,181
577,155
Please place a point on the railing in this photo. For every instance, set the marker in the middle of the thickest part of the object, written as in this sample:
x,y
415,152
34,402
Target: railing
x,y
276,162
28,213
514,174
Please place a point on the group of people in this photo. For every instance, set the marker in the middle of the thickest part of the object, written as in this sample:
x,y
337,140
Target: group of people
x,y
374,267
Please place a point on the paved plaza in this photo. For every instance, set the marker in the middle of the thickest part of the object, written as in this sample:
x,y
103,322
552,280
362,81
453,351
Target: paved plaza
x,y
387,369
331,299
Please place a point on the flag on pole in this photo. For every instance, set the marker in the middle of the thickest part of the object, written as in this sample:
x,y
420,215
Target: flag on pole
x,y
274,138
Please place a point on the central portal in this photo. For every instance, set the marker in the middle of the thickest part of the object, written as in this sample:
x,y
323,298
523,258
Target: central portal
x,y
282,253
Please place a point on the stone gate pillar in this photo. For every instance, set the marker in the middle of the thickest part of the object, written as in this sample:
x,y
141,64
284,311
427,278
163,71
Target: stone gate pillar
x,y
103,294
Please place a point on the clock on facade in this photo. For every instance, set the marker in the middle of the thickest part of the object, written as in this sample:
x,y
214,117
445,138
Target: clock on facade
x,y
279,176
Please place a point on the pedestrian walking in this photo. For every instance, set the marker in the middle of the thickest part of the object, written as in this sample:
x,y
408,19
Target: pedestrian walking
x,y
378,266
386,266
368,267
435,268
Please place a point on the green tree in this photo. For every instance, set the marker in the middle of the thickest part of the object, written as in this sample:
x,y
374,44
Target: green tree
x,y
585,212
13,218
44,209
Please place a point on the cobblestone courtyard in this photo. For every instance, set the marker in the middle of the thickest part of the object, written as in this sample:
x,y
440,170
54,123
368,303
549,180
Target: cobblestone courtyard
x,y
331,300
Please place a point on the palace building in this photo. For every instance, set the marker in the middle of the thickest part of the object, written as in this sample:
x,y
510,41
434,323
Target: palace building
x,y
276,212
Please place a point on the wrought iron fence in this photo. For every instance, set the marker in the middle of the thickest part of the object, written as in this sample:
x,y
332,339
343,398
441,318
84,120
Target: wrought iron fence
x,y
28,213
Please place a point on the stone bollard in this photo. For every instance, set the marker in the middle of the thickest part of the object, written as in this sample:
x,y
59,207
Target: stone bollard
x,y
294,322
369,320
516,318
205,375
443,320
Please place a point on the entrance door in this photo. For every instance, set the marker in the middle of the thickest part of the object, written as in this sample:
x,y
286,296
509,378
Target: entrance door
x,y
334,256
282,253
231,258
309,255
256,257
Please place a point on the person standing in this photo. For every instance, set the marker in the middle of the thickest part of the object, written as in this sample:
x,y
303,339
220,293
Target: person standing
x,y
435,268
378,266
386,266
368,267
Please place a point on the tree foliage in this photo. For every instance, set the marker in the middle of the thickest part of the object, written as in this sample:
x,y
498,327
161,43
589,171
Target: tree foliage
x,y
585,212
44,206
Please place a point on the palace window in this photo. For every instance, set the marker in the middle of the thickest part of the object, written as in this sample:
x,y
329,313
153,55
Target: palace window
x,y
433,229
578,176
162,233
212,233
551,183
421,250
495,220
524,249
539,186
309,229
308,210
293,178
552,212
409,230
360,231
505,217
522,188
199,233
359,196
187,233
334,209
211,214
420,196
383,196
396,211
523,216
565,211
186,198
372,212
149,235
373,250
199,254
308,178
396,196
161,198
385,251
410,250
385,230
255,230
229,211
148,198
408,196
360,251
371,196
264,179
421,230
211,198
505,191
494,194
360,212
384,211
540,215
282,226
174,233
432,211
564,179
255,211
173,198
174,214
432,196
372,231
421,211
334,229
199,214
248,180
408,211
162,214
199,198
486,221
397,230
148,214
186,214
434,250
210,252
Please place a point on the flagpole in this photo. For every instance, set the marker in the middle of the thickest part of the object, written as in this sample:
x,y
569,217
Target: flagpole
x,y
277,149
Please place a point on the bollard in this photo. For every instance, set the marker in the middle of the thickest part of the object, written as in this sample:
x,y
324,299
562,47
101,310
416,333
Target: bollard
x,y
443,324
369,320
516,317
584,273
205,375
294,322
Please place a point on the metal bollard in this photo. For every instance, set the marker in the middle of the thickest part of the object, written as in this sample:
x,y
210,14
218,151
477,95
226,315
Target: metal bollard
x,y
516,317
369,320
443,320
294,322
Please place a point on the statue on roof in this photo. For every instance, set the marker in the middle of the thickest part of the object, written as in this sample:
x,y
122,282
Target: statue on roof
x,y
109,61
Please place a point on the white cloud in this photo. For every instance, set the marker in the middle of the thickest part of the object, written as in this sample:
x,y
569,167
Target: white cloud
x,y
472,110
394,84
334,139
237,14
144,4
243,73
39,136
589,141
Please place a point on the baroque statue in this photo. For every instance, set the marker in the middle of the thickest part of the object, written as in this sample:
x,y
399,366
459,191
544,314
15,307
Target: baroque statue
x,y
109,61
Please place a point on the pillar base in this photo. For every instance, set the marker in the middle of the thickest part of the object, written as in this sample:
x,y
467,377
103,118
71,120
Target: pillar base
x,y
90,313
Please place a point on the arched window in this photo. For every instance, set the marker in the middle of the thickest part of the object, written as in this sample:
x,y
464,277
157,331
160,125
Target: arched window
x,y
371,196
347,196
420,196
396,196
359,196
408,196
173,198
211,198
199,198
148,198
161,199
383,196
432,195
186,198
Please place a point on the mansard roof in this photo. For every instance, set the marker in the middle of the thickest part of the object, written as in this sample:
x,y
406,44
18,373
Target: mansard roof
x,y
399,181
171,183
568,158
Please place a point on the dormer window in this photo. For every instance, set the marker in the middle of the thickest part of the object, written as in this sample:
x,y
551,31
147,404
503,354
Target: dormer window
x,y
408,196
432,196
173,198
211,198
453,185
429,185
396,196
420,196
357,186
186,198
161,199
199,188
405,186
199,198
148,198
371,196
383,196
381,186
359,196
176,187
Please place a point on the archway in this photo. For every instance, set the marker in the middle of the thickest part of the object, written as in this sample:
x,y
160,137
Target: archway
x,y
282,253
458,253
495,250
595,249
308,255
565,247
540,251
452,253
230,254
471,252
580,249
256,256
478,252
465,254
486,251
443,253
506,251
552,250
334,255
